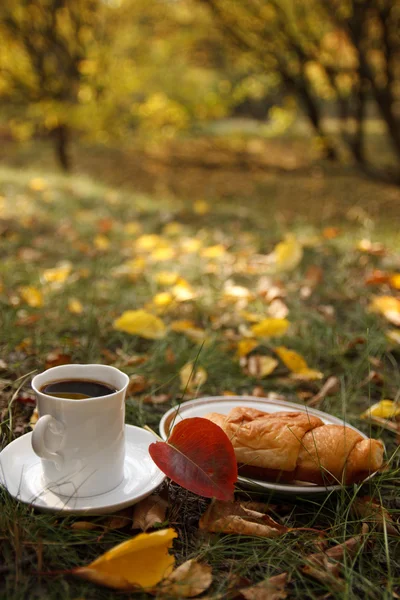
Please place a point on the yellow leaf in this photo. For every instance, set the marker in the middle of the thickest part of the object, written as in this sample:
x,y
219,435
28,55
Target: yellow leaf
x,y
163,254
237,292
189,328
388,306
190,245
288,254
261,366
245,346
142,323
190,579
58,274
270,327
31,295
201,207
393,335
166,277
173,228
37,184
296,363
148,242
386,409
75,306
183,291
163,299
192,379
251,317
101,242
141,561
213,251
132,228
395,281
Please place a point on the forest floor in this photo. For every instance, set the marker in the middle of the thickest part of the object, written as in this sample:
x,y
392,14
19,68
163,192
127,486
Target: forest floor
x,y
190,236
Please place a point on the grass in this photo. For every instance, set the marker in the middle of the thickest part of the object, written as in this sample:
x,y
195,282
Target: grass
x,y
47,219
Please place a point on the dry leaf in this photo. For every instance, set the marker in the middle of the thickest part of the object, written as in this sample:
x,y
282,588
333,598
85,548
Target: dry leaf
x,y
191,378
141,561
330,387
325,566
260,366
385,409
142,323
372,511
137,384
270,589
189,328
245,346
296,363
149,512
31,295
75,306
188,580
270,327
119,520
56,358
388,306
84,526
58,274
287,254
243,518
157,399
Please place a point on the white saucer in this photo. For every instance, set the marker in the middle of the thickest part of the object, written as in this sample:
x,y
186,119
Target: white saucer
x,y
223,404
21,475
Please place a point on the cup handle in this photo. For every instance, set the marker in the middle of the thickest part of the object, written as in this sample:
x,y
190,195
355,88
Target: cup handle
x,y
38,434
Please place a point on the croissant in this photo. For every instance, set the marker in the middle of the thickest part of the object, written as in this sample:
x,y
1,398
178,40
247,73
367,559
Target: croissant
x,y
288,446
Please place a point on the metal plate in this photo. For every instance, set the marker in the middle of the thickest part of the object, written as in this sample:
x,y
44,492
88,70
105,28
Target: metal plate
x,y
223,404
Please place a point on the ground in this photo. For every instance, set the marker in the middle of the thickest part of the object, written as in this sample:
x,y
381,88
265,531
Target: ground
x,y
194,245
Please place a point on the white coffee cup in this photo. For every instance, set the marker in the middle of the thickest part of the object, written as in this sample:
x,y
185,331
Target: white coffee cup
x,y
81,442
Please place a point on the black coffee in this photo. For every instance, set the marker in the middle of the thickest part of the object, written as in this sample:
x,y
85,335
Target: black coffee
x,y
77,389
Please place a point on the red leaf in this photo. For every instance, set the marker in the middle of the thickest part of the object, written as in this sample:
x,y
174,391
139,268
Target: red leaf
x,y
198,456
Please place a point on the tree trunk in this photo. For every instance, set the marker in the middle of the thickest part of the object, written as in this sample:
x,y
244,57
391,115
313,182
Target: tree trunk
x,y
61,147
357,145
313,113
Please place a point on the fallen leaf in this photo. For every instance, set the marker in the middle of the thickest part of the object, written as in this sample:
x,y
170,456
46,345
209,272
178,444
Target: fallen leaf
x,y
136,385
192,378
119,520
388,306
314,275
188,580
201,207
101,242
330,387
198,456
377,277
157,398
296,364
162,299
270,328
173,228
213,251
142,323
287,254
166,277
330,233
57,274
56,358
278,309
244,518
163,254
386,409
37,184
372,511
260,366
374,248
245,346
75,306
270,589
189,328
32,296
233,293
149,512
182,291
142,561
325,566
394,281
